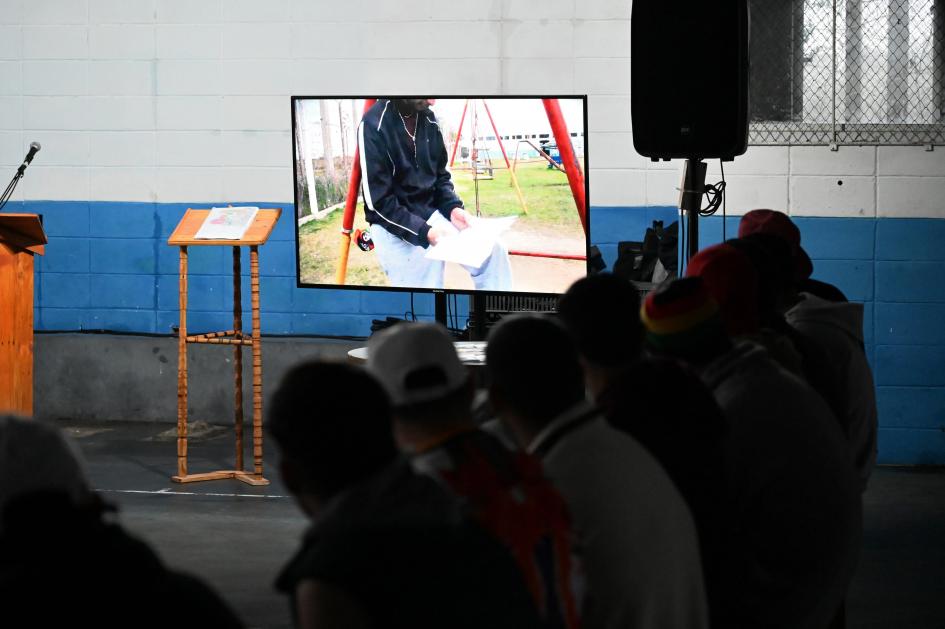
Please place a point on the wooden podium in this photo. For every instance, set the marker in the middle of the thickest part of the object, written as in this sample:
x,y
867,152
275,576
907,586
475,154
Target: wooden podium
x,y
256,235
21,237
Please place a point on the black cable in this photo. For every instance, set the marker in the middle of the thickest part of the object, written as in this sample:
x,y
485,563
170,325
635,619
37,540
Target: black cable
x,y
724,216
715,193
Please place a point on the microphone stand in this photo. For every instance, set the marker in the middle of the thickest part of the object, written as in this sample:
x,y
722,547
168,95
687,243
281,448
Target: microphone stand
x,y
12,186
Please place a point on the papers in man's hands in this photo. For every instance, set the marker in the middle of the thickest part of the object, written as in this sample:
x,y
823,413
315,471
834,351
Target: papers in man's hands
x,y
226,223
471,246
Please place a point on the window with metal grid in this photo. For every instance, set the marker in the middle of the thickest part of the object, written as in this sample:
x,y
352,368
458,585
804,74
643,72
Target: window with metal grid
x,y
832,72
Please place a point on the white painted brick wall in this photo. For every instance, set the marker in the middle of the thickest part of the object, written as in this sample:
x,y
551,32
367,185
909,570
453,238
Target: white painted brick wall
x,y
55,112
122,41
55,42
11,78
618,187
330,10
60,148
187,100
662,187
55,78
256,41
189,148
543,10
602,9
125,113
120,183
57,183
11,147
538,40
121,78
55,12
256,148
910,161
11,42
188,112
184,184
833,196
906,197
121,11
747,192
188,41
123,148
325,40
846,160
11,112
255,10
189,77
602,38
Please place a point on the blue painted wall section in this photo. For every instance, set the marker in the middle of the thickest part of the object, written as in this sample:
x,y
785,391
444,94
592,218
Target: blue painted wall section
x,y
108,267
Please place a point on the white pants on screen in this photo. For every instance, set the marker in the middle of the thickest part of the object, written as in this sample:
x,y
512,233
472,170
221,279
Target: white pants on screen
x,y
406,264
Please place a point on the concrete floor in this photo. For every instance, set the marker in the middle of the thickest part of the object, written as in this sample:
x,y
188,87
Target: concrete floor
x,y
237,537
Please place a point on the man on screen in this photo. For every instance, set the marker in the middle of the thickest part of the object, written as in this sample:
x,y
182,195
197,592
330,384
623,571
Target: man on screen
x,y
409,199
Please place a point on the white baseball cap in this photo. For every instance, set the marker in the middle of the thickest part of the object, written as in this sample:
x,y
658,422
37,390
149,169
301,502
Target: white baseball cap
x,y
415,362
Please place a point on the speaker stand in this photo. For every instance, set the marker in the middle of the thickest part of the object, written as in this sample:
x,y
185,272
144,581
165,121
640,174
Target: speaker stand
x,y
690,200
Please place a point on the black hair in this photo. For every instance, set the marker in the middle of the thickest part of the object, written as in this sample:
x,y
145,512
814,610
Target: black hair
x,y
532,362
602,314
334,421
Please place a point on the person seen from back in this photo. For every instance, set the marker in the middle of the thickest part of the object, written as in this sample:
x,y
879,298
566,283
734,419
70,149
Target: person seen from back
x,y
795,497
638,541
65,563
738,283
386,548
431,393
836,328
658,401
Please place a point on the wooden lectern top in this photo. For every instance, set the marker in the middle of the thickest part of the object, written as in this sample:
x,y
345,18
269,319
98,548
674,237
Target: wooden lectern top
x,y
23,231
257,234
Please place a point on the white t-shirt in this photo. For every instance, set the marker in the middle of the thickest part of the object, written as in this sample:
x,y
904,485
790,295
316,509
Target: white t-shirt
x,y
635,534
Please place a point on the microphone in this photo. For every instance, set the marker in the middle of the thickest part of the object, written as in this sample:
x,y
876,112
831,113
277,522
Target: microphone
x,y
34,149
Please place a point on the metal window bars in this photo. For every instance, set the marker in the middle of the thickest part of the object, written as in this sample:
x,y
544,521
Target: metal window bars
x,y
833,72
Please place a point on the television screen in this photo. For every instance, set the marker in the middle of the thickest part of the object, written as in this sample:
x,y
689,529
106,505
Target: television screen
x,y
453,194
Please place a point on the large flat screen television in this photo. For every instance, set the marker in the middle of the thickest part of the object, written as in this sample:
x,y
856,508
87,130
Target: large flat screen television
x,y
455,194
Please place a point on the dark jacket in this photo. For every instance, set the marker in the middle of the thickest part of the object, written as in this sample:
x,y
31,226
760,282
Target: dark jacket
x,y
403,187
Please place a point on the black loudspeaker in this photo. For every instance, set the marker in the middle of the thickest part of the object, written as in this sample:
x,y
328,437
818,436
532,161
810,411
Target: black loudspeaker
x,y
689,78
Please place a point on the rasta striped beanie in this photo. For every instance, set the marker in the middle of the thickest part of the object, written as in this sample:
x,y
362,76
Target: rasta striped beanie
x,y
682,319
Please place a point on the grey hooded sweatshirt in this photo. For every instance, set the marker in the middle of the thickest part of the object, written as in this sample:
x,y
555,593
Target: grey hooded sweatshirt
x,y
797,520
846,379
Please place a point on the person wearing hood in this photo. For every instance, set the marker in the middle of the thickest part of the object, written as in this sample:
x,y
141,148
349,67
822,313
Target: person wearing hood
x,y
797,520
835,329
64,562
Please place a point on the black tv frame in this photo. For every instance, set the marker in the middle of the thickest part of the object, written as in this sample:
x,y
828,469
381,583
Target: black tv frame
x,y
435,291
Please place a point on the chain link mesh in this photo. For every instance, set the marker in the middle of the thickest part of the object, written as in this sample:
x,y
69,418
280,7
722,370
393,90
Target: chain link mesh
x,y
847,72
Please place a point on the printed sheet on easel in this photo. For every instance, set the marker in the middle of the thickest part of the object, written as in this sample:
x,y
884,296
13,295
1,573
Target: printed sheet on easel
x,y
226,223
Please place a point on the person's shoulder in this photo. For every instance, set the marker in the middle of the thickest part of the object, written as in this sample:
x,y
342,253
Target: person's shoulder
x,y
397,497
430,116
374,115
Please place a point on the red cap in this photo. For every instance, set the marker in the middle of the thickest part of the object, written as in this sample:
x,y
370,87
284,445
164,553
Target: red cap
x,y
780,225
732,281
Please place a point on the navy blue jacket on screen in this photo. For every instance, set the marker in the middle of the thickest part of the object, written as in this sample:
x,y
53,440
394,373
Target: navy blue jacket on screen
x,y
403,186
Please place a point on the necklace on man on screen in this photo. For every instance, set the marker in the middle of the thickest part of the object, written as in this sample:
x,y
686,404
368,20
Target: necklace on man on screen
x,y
413,136
403,121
